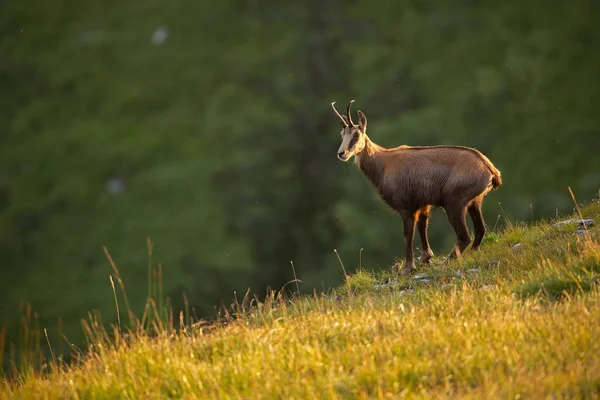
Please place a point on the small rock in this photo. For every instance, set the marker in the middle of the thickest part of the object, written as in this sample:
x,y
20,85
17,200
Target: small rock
x,y
586,222
473,270
447,286
565,222
425,280
420,276
459,273
516,246
580,231
406,291
488,287
495,262
581,222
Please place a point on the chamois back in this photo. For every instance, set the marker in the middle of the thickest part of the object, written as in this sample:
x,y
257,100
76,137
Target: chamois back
x,y
411,177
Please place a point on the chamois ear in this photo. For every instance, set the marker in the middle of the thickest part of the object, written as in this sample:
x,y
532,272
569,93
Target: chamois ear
x,y
362,121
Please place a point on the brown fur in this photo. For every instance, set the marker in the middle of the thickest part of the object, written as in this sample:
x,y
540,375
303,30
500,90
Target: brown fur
x,y
412,179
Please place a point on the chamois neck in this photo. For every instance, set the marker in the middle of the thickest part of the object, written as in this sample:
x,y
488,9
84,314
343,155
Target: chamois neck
x,y
368,152
368,161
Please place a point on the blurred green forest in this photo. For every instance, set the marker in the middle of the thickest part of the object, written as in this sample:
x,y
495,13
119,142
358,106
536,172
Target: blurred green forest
x,y
207,127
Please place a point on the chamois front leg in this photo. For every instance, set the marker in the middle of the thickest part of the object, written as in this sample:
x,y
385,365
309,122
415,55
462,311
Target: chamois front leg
x,y
410,220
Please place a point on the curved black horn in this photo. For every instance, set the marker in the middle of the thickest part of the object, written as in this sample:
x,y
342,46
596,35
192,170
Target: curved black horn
x,y
339,115
348,113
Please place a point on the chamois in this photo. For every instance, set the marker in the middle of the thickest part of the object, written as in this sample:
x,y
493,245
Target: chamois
x,y
413,179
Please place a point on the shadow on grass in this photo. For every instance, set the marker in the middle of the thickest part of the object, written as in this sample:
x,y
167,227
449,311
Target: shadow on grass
x,y
579,278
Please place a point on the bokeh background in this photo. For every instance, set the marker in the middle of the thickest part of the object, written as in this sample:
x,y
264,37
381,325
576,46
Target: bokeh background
x,y
206,126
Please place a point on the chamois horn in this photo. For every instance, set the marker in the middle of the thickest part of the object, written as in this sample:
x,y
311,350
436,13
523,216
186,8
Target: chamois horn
x,y
344,123
348,113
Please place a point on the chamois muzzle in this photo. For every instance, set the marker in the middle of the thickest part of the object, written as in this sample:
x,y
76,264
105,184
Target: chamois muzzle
x,y
343,156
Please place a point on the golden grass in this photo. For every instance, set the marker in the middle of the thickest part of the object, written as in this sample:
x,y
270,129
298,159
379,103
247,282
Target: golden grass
x,y
454,337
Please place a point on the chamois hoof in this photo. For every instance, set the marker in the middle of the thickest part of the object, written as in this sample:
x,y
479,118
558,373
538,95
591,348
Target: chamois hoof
x,y
406,271
425,258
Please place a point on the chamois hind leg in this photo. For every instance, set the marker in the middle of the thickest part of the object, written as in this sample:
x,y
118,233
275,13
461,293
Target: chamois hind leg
x,y
409,219
422,227
478,223
457,217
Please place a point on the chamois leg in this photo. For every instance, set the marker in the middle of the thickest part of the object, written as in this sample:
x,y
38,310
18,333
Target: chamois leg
x,y
409,234
478,224
457,217
422,227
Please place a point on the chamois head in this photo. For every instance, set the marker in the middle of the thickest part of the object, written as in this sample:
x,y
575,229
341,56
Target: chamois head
x,y
353,136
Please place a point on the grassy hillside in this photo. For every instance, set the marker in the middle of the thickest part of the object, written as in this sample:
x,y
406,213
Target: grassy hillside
x,y
519,317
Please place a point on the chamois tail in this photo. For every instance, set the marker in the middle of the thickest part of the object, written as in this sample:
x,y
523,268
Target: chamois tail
x,y
496,179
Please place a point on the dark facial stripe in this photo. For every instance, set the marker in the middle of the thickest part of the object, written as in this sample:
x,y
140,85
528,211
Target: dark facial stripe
x,y
352,142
